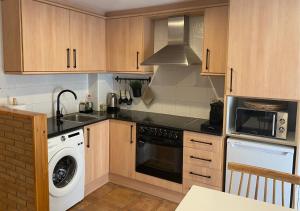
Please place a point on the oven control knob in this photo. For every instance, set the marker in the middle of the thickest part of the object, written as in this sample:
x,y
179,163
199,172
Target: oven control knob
x,y
165,133
281,130
160,132
175,136
282,121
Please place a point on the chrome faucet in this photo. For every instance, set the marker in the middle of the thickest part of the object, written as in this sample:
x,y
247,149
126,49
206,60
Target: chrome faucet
x,y
58,112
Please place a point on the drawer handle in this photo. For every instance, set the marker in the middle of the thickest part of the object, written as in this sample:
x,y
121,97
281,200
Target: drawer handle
x,y
201,142
197,158
200,175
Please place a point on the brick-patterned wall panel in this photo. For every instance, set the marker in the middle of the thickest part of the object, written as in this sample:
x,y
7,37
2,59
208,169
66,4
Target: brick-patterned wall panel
x,y
17,188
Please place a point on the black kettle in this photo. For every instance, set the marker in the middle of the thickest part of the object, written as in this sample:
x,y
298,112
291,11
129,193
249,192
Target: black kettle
x,y
216,113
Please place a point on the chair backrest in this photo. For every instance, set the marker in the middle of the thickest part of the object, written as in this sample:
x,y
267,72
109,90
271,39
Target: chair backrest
x,y
261,172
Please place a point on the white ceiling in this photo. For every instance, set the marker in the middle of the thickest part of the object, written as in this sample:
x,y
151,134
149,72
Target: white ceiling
x,y
103,6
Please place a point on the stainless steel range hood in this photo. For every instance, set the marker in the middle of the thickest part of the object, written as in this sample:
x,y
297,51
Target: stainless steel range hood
x,y
178,51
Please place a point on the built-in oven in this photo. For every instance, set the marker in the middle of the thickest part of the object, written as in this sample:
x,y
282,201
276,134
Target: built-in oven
x,y
271,124
159,152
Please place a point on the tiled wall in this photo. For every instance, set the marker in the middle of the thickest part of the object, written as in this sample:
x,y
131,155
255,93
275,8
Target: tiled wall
x,y
39,92
178,90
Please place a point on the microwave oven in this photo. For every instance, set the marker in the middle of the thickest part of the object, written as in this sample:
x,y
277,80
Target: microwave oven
x,y
270,124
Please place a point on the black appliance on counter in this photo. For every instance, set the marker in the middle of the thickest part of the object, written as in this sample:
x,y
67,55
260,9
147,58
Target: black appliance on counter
x,y
159,152
215,123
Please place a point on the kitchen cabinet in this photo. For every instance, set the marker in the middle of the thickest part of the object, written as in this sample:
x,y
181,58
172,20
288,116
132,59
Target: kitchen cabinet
x,y
129,42
35,36
87,42
264,49
202,161
96,155
42,38
215,41
122,150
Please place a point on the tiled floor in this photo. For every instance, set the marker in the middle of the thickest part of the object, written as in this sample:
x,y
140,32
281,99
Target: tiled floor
x,y
113,197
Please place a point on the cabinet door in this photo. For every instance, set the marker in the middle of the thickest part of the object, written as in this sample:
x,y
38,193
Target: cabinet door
x,y
87,42
122,148
96,153
215,40
45,37
125,44
264,49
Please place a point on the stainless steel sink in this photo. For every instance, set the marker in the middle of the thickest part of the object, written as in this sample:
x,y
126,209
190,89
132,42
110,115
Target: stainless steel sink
x,y
78,118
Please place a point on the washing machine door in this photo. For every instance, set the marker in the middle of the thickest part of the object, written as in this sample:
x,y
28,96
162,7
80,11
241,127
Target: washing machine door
x,y
65,171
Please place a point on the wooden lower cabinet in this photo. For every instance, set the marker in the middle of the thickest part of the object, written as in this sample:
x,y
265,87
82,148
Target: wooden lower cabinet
x,y
202,161
122,148
96,155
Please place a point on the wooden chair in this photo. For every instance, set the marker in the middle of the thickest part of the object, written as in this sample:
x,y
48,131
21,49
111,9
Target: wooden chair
x,y
264,173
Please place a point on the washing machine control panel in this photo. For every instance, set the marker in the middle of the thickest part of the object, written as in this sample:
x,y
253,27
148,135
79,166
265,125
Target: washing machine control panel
x,y
72,139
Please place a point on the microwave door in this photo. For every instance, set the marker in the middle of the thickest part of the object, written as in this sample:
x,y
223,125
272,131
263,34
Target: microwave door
x,y
254,122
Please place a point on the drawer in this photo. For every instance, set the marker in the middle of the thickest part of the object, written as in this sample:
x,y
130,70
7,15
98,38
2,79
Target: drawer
x,y
187,184
202,141
202,158
202,175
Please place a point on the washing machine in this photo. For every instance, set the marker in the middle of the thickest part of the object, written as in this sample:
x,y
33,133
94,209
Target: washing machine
x,y
66,170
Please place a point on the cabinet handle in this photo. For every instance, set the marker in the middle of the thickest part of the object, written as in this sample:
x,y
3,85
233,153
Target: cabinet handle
x,y
131,127
200,175
201,142
68,58
207,59
137,60
88,138
75,58
231,73
197,158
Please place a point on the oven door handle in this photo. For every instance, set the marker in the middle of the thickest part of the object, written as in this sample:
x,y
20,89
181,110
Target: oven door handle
x,y
274,125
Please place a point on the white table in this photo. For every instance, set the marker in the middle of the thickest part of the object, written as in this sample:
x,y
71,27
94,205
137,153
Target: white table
x,y
203,199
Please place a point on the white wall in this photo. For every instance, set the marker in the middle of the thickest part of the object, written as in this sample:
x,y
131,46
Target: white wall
x,y
178,90
39,92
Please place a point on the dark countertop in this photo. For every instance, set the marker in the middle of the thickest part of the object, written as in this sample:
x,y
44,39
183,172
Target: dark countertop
x,y
164,120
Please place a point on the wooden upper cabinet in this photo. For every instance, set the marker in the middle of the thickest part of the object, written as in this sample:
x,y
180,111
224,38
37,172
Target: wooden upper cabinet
x,y
87,42
215,41
42,38
264,49
129,42
96,155
122,148
39,35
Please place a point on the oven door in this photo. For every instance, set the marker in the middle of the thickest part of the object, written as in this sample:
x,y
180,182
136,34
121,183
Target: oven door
x,y
255,122
155,157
